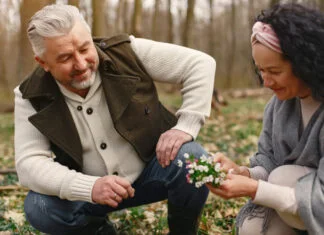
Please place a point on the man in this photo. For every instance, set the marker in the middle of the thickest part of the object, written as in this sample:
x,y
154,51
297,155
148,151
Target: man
x,y
91,136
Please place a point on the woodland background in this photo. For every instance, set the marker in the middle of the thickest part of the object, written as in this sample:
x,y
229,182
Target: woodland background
x,y
220,28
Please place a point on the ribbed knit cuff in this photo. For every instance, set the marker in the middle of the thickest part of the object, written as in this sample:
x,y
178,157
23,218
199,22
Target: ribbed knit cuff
x,y
189,123
81,188
280,198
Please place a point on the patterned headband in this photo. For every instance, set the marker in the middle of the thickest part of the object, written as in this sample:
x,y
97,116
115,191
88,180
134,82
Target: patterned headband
x,y
264,34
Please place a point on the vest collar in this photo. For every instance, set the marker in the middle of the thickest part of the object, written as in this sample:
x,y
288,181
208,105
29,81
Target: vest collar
x,y
55,120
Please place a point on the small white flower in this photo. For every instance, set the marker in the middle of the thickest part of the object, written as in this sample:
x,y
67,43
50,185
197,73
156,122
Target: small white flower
x,y
191,171
203,158
200,168
180,163
210,160
198,184
206,168
217,167
222,175
186,155
216,180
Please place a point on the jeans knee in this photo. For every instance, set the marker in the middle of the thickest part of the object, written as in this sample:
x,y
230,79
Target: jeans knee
x,y
31,210
53,215
192,148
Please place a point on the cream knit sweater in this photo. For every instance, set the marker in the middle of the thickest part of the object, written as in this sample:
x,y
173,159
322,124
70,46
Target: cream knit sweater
x,y
165,63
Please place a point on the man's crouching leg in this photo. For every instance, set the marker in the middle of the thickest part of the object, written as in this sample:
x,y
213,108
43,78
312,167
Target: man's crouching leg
x,y
52,215
185,201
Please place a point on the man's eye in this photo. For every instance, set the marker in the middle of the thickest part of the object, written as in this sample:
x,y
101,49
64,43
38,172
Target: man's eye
x,y
64,59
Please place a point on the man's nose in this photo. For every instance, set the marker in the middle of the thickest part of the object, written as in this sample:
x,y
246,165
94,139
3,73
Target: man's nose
x,y
80,63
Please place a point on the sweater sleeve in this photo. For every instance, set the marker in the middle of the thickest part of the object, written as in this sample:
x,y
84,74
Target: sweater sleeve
x,y
193,69
34,160
280,198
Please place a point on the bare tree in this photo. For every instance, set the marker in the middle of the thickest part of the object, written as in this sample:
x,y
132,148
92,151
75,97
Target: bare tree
x,y
170,23
99,23
232,45
273,2
74,3
321,5
26,60
155,28
189,23
119,21
136,29
211,28
125,16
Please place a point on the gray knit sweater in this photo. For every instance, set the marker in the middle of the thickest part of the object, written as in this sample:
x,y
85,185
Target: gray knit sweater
x,y
284,141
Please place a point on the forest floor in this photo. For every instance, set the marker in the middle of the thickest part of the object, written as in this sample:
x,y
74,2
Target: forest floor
x,y
233,129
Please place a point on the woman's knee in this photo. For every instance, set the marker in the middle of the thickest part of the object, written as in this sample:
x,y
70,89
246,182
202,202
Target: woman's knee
x,y
251,226
287,175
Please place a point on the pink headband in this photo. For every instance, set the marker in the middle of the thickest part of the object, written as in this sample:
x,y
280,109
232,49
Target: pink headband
x,y
264,34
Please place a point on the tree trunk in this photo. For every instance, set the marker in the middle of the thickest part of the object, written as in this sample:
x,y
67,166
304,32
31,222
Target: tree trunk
x,y
251,21
273,2
155,27
120,18
321,5
99,23
232,47
26,56
74,3
189,23
211,28
136,29
125,16
170,23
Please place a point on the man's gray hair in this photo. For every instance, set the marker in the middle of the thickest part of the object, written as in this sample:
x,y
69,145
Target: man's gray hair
x,y
52,21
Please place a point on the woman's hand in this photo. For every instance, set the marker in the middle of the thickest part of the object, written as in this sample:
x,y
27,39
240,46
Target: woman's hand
x,y
229,166
226,163
235,186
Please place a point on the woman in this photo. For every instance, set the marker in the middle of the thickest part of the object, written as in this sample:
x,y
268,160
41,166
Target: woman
x,y
286,178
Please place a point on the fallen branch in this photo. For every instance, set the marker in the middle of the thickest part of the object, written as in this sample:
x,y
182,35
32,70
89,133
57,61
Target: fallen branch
x,y
12,187
7,171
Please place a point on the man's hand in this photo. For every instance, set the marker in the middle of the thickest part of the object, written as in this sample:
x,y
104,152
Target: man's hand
x,y
169,144
235,186
111,190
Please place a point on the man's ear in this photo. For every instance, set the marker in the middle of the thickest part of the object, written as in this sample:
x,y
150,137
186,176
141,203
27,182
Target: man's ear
x,y
41,62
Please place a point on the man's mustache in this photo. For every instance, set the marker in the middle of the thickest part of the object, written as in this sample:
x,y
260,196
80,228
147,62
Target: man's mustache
x,y
78,72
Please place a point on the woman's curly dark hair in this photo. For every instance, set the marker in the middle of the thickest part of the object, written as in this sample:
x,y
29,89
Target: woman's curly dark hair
x,y
301,34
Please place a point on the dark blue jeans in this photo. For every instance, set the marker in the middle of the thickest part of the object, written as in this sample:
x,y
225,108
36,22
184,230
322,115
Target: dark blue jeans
x,y
52,215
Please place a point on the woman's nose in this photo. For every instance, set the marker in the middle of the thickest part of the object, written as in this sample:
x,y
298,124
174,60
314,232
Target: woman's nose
x,y
267,81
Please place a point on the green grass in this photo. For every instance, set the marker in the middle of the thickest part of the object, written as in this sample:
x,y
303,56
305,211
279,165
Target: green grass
x,y
233,130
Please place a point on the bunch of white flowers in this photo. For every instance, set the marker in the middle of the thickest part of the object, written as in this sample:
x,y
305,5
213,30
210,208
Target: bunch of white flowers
x,y
203,170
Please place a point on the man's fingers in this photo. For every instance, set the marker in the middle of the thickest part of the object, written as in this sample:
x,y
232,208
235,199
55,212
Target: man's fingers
x,y
123,188
176,146
159,150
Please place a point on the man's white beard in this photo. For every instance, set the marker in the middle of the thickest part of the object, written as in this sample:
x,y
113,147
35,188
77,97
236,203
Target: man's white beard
x,y
84,84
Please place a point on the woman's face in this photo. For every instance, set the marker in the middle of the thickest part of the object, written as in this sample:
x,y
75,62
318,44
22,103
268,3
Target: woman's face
x,y
276,73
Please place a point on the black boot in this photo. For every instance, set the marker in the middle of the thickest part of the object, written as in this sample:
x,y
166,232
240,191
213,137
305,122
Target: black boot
x,y
107,228
183,221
